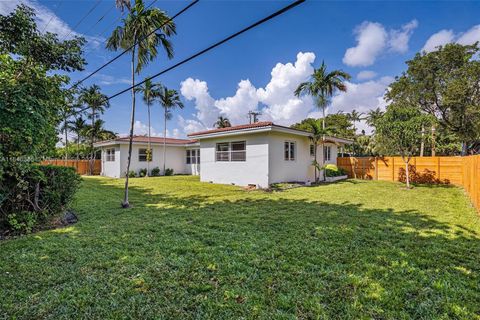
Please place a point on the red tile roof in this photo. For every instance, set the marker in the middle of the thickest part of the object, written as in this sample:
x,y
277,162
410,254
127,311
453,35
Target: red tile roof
x,y
144,139
240,127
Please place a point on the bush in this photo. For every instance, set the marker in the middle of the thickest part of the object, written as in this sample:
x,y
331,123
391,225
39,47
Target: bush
x,y
29,197
142,172
169,172
132,174
155,172
332,170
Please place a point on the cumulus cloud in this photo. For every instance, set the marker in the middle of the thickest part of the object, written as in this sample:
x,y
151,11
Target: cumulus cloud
x,y
197,91
443,37
237,107
366,75
372,39
141,129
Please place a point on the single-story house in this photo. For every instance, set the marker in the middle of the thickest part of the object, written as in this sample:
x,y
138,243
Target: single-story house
x,y
257,154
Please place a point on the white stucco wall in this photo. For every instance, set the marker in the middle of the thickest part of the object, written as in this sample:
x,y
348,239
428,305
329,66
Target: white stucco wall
x,y
252,171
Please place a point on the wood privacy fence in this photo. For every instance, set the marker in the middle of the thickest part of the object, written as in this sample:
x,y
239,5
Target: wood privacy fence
x,y
461,171
80,165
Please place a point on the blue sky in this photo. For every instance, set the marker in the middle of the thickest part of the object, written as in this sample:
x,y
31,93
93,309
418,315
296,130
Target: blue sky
x,y
259,70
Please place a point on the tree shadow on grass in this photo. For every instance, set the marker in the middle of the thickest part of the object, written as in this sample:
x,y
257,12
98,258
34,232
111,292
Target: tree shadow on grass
x,y
267,257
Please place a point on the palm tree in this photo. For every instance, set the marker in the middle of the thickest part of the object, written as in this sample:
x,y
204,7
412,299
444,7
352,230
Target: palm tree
x,y
65,114
97,102
150,91
222,122
355,116
317,134
169,99
373,115
322,85
139,23
78,126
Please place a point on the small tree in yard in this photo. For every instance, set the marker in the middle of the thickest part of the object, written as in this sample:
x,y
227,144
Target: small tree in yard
x,y
399,132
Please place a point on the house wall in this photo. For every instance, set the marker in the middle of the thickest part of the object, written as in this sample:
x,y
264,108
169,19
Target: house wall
x,y
192,168
252,171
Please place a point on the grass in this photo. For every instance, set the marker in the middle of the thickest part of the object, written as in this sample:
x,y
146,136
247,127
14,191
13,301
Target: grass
x,y
349,250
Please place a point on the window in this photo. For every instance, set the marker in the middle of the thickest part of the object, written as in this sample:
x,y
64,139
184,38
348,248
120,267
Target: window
x,y
239,152
327,151
223,152
142,155
312,150
110,154
231,151
289,151
193,156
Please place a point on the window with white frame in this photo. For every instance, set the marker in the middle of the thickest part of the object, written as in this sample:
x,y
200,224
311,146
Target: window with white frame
x,y
110,154
289,150
327,153
143,155
231,151
312,150
193,156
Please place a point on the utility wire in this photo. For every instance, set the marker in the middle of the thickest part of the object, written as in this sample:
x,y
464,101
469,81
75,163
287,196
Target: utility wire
x,y
100,19
136,42
236,34
83,18
53,15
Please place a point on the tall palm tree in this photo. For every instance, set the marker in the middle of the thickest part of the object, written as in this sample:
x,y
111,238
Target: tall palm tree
x,y
78,126
65,114
169,99
138,24
373,115
355,117
150,92
94,99
317,134
222,122
322,85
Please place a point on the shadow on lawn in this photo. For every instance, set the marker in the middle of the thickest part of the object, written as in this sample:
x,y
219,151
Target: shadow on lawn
x,y
270,256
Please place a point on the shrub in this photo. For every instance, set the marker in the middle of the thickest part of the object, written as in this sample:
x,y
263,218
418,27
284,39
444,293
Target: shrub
x,y
169,172
155,172
30,196
332,170
142,172
132,174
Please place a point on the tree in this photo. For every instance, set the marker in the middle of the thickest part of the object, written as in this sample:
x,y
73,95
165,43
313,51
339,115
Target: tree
x,y
139,23
78,126
222,122
373,115
169,99
399,132
317,134
355,117
445,84
97,102
150,91
322,85
65,113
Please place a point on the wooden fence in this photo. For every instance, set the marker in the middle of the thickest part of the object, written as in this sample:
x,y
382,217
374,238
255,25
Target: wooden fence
x,y
80,165
461,171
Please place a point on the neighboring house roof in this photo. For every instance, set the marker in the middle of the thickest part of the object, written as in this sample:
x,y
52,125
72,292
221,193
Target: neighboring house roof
x,y
264,126
144,140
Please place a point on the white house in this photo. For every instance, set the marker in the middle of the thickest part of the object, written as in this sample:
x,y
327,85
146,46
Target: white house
x,y
182,155
256,154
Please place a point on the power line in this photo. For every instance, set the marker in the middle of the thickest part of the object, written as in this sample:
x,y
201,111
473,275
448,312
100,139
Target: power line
x,y
100,19
53,15
236,34
137,42
83,18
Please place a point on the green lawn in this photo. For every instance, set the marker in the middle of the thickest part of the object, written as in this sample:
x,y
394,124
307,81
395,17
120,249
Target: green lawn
x,y
350,250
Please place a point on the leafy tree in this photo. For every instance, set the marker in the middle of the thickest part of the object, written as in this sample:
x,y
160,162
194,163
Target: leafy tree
x,y
322,85
337,124
355,117
445,84
169,99
150,91
97,102
222,122
139,23
373,115
398,132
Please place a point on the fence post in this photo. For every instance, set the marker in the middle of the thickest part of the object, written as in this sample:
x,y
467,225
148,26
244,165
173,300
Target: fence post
x,y
376,168
393,168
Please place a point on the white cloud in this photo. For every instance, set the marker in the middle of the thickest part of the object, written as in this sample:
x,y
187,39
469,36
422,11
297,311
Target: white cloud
x,y
399,39
372,39
107,80
440,38
190,125
141,129
366,75
443,37
196,90
237,107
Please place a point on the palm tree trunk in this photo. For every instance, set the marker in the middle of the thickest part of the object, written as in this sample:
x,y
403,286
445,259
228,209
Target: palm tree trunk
x,y
407,174
150,155
433,141
323,119
422,143
164,137
66,141
125,203
315,158
90,167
